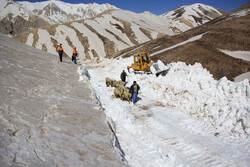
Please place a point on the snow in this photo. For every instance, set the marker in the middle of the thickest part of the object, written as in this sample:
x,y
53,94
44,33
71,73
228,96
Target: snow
x,y
14,8
25,9
44,39
67,7
197,37
242,77
108,27
140,36
94,41
185,118
107,22
48,117
244,55
144,20
98,26
189,11
241,13
62,32
30,39
194,10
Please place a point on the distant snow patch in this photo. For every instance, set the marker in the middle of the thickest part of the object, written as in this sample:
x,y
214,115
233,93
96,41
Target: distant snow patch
x,y
30,39
179,44
244,55
241,13
242,77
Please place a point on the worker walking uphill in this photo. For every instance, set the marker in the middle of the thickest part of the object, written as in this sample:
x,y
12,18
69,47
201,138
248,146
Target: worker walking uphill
x,y
134,89
60,51
74,55
123,76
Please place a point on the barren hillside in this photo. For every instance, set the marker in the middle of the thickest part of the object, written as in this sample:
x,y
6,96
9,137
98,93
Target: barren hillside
x,y
101,36
206,44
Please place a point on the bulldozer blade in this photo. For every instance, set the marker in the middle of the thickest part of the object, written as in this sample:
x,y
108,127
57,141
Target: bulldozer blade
x,y
163,72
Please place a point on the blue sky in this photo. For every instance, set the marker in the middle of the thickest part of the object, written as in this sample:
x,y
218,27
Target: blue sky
x,y
159,7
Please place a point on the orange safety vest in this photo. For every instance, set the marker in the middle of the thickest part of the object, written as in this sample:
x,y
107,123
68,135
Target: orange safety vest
x,y
74,51
59,48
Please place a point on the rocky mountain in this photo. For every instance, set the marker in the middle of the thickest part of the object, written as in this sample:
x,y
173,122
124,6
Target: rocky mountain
x,y
212,44
101,36
55,11
17,17
185,17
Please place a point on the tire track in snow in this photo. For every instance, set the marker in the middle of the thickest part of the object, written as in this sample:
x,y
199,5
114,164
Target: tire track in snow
x,y
187,144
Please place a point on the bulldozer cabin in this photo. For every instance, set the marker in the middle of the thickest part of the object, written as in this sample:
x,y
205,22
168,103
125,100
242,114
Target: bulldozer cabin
x,y
142,63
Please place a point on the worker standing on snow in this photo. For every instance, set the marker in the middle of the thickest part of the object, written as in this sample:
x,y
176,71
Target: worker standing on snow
x,y
60,51
134,91
123,76
74,55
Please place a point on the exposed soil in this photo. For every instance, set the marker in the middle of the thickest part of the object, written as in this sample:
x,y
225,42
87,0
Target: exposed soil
x,y
225,32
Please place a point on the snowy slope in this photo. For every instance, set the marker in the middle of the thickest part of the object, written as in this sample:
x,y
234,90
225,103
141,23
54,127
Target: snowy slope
x,y
18,17
189,16
55,11
14,9
47,117
52,11
100,36
185,118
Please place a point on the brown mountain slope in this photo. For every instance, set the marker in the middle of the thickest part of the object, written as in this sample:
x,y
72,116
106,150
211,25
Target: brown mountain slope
x,y
229,32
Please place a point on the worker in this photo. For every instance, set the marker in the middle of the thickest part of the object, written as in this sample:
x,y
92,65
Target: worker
x,y
74,55
60,51
123,76
134,89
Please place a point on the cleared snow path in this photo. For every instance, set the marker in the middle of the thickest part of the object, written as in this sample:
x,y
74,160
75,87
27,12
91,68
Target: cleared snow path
x,y
152,134
47,117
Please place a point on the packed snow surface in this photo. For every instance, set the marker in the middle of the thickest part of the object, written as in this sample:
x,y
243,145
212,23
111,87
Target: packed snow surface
x,y
47,117
185,118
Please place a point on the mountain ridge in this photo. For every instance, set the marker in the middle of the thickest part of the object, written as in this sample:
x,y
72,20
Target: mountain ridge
x,y
205,44
113,30
190,16
47,12
103,35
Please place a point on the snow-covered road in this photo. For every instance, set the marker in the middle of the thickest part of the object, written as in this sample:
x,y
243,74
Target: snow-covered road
x,y
179,119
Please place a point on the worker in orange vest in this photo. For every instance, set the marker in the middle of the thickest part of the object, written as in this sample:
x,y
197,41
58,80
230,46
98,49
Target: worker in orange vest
x,y
60,51
74,55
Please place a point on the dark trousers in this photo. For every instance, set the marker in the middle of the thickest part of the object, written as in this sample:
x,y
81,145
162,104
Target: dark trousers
x,y
74,58
60,55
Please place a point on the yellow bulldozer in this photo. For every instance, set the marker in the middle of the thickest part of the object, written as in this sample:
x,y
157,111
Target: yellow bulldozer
x,y
142,64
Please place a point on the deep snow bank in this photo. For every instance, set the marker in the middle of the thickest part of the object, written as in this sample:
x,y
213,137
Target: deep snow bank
x,y
192,89
189,88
